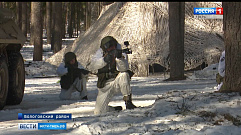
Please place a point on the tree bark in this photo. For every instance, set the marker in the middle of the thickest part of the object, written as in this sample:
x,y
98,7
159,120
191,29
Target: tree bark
x,y
48,22
232,41
57,42
38,31
176,40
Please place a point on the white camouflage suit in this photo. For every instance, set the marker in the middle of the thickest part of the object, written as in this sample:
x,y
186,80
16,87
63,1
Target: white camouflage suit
x,y
221,68
119,84
80,84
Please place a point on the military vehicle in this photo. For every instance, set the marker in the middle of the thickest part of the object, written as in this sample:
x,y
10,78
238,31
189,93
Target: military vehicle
x,y
12,71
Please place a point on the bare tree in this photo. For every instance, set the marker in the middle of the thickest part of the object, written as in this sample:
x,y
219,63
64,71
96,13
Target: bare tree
x,y
38,30
176,40
57,33
232,41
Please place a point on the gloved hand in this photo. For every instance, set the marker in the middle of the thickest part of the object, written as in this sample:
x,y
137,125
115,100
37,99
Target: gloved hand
x,y
84,72
69,67
81,71
118,53
78,72
108,58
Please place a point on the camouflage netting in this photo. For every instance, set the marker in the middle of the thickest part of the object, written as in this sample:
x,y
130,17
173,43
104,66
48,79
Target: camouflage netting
x,y
145,26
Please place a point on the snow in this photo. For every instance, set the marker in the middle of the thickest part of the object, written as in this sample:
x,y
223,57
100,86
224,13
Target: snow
x,y
184,107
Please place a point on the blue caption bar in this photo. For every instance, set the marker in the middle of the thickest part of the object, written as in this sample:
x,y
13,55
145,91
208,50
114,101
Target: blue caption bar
x,y
204,11
67,116
42,126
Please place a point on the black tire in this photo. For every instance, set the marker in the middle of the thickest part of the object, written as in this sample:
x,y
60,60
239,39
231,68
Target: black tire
x,y
3,82
16,79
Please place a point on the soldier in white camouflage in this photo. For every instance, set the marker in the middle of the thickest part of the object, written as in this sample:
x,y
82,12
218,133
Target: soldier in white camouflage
x,y
113,75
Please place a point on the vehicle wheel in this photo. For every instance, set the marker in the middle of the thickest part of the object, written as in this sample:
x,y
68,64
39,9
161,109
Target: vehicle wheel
x,y
3,82
16,79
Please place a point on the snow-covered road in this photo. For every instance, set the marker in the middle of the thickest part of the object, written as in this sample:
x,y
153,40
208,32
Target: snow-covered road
x,y
187,107
162,109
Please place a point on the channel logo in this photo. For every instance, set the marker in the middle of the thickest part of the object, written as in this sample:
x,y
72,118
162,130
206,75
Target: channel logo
x,y
28,126
42,126
208,11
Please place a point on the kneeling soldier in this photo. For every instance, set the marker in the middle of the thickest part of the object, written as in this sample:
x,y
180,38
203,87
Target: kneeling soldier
x,y
73,77
113,75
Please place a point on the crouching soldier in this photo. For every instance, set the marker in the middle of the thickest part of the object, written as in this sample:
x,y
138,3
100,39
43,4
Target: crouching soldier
x,y
73,77
113,75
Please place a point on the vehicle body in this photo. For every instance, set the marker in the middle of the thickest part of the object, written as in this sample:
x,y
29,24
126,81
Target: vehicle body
x,y
12,71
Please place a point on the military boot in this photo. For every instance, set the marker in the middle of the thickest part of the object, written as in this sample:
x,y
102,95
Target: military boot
x,y
117,108
128,102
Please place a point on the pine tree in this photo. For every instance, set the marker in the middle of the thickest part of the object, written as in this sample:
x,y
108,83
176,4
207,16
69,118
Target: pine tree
x,y
232,41
57,33
48,22
38,30
176,40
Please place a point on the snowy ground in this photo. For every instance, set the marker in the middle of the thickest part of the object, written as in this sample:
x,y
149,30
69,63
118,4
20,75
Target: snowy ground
x,y
188,107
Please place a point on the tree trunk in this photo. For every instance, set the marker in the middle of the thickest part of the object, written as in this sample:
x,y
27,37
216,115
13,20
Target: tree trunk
x,y
57,42
48,22
31,25
100,4
64,11
70,19
82,14
73,13
88,15
176,40
19,14
38,31
28,16
107,3
232,41
52,25
24,18
2,4
78,17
